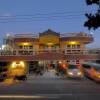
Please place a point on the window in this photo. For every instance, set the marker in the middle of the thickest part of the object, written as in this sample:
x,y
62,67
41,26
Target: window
x,y
78,46
73,46
68,61
31,47
97,68
20,47
77,60
25,47
72,66
68,50
86,66
68,46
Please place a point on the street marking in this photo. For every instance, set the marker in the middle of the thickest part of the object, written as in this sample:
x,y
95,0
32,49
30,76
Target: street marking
x,y
24,96
42,96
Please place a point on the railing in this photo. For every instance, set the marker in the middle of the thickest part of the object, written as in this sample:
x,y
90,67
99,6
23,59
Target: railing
x,y
27,35
34,52
76,34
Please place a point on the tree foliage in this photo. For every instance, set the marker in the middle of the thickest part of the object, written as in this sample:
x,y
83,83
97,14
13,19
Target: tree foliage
x,y
93,20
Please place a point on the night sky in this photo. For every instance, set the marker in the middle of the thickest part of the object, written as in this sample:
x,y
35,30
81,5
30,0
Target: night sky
x,y
34,16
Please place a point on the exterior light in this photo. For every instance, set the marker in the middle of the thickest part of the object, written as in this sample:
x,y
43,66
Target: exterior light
x,y
49,44
39,62
73,42
60,62
22,64
25,43
3,47
13,65
17,64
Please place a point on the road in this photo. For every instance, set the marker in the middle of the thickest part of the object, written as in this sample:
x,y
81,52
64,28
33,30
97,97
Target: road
x,y
51,88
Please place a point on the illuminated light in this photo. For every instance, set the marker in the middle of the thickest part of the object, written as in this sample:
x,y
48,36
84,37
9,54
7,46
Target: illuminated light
x,y
98,76
49,43
79,73
73,42
60,62
25,43
22,64
64,65
17,64
70,73
13,65
39,62
3,47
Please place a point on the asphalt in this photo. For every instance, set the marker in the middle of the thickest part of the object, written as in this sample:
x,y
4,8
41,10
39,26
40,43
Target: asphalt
x,y
51,88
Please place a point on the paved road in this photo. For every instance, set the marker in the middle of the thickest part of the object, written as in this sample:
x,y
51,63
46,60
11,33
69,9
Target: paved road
x,y
51,88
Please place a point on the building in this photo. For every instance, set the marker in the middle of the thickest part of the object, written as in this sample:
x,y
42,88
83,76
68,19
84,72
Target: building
x,y
48,47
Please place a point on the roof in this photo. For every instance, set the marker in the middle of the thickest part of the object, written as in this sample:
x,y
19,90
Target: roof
x,y
49,31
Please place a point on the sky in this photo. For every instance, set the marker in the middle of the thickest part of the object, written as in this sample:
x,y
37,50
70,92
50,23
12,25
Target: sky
x,y
34,16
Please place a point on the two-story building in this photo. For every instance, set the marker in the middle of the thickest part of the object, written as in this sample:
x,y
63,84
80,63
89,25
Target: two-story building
x,y
48,47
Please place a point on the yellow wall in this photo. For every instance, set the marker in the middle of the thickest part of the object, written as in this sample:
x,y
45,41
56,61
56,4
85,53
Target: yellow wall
x,y
46,39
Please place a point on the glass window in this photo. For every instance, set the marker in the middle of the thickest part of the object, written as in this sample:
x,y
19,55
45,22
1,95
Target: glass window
x,y
86,66
20,47
72,66
68,50
78,46
68,60
77,60
68,46
73,46
31,47
97,68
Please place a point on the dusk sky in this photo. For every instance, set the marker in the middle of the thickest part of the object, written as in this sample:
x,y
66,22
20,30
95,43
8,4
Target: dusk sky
x,y
34,16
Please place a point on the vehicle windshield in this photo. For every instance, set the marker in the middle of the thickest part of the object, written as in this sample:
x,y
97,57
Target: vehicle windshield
x,y
72,66
97,68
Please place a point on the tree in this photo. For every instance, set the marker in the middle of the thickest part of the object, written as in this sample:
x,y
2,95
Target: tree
x,y
93,19
90,2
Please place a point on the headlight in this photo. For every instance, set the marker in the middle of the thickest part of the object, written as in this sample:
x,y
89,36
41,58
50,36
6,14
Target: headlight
x,y
79,73
98,76
70,73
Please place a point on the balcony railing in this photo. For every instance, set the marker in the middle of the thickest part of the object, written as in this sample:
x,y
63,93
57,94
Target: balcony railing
x,y
34,52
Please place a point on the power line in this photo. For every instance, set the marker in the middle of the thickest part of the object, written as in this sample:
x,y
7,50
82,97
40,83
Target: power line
x,y
41,17
49,19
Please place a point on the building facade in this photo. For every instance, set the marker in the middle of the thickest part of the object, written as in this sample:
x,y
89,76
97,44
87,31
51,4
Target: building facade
x,y
47,47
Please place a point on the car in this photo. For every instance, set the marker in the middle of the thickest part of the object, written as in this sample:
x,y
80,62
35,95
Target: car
x,y
92,71
73,71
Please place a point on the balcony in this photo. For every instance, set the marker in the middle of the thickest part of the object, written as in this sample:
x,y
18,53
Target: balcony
x,y
34,52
